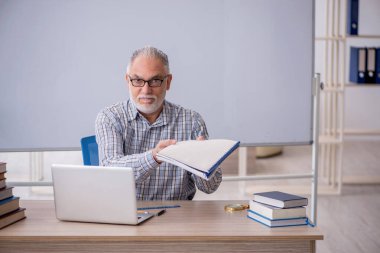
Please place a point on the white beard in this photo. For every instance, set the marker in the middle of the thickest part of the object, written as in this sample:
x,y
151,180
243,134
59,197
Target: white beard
x,y
148,108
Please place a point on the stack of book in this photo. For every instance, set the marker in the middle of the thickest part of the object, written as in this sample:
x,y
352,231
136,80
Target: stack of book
x,y
365,65
278,209
10,210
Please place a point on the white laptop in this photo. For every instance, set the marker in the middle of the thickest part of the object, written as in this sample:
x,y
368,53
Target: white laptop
x,y
96,194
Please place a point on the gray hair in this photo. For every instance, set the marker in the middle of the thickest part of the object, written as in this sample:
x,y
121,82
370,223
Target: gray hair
x,y
149,51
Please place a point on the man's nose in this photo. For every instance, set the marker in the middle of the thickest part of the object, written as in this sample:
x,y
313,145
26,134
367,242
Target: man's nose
x,y
146,88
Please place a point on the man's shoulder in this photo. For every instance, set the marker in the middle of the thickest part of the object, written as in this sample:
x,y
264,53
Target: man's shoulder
x,y
117,110
179,110
119,106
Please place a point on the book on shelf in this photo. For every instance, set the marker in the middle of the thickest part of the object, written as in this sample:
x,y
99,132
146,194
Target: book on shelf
x,y
12,217
352,17
277,222
370,74
364,65
3,167
5,193
201,158
9,205
273,213
280,199
358,64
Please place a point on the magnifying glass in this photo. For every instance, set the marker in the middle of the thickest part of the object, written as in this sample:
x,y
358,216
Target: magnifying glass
x,y
235,207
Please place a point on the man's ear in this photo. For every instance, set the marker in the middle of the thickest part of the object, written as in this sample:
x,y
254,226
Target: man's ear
x,y
127,79
168,81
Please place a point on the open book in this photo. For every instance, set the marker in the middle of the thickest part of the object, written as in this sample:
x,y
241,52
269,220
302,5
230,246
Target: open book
x,y
201,158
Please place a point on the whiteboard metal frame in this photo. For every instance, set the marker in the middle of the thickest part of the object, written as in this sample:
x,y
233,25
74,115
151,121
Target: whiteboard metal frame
x,y
243,158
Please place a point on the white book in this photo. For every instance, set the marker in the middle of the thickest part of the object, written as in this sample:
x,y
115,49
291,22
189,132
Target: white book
x,y
278,222
201,158
272,212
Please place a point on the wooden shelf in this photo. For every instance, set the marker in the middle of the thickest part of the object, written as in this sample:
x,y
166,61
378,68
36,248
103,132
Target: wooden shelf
x,y
368,132
363,37
342,37
372,85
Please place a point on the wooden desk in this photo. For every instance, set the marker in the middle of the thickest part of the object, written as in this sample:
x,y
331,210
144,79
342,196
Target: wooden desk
x,y
197,226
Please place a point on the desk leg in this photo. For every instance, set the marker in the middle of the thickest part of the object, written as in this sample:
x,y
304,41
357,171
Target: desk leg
x,y
313,247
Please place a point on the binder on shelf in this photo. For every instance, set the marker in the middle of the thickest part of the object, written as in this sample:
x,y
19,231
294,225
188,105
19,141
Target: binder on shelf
x,y
352,17
358,56
370,74
378,65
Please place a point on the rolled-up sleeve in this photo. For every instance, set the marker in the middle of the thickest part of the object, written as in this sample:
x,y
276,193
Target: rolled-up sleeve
x,y
207,186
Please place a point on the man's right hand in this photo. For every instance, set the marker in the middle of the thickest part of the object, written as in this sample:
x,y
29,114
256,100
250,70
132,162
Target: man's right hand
x,y
161,145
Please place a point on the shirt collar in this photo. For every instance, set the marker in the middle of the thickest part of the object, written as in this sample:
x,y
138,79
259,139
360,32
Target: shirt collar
x,y
133,113
131,110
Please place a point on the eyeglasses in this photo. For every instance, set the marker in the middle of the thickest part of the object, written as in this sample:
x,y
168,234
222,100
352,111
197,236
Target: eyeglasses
x,y
155,82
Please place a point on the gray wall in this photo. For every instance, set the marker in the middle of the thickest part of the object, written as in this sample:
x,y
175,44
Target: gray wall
x,y
246,66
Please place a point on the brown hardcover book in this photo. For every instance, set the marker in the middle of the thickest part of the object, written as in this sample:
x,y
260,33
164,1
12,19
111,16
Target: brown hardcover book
x,y
9,205
2,176
6,193
3,167
2,184
12,217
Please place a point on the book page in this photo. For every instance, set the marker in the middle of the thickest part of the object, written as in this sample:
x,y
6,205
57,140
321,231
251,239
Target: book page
x,y
201,155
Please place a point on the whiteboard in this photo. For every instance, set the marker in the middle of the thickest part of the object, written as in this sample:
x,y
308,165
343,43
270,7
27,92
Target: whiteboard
x,y
245,65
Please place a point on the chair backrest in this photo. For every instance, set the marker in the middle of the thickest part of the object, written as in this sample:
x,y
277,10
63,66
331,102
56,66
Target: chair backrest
x,y
90,150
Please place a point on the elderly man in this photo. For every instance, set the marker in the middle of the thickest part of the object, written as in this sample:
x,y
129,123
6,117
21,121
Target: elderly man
x,y
130,133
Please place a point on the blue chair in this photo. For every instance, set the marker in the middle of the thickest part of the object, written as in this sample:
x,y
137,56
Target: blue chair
x,y
90,150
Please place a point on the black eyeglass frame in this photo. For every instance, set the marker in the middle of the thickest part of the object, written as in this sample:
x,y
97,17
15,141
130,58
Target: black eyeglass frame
x,y
149,82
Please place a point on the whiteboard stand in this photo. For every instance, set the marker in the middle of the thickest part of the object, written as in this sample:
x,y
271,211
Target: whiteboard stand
x,y
243,168
315,148
315,151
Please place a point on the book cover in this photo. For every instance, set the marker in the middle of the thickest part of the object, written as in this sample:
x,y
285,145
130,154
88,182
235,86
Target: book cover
x,y
272,212
12,217
352,17
277,222
201,158
280,199
9,205
370,74
358,64
3,167
6,193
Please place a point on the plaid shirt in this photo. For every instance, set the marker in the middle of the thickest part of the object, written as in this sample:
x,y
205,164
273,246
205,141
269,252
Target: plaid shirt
x,y
126,138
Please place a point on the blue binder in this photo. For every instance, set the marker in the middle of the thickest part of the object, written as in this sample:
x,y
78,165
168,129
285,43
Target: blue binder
x,y
352,17
370,74
358,64
378,65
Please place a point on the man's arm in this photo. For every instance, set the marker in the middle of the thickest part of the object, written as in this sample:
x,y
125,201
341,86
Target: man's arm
x,y
110,144
200,133
212,184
